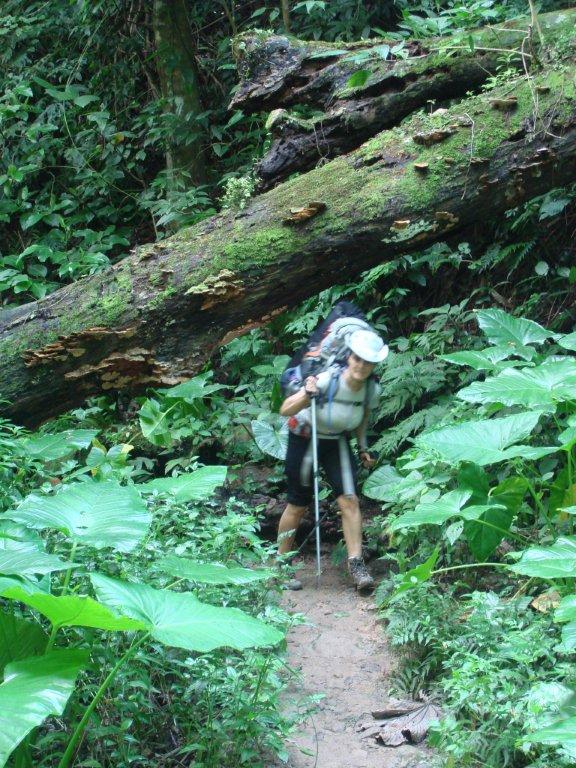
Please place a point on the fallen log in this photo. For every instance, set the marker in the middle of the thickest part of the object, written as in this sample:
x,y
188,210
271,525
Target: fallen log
x,y
155,318
280,72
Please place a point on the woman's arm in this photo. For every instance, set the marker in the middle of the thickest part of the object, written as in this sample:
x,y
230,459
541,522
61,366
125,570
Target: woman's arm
x,y
299,400
360,432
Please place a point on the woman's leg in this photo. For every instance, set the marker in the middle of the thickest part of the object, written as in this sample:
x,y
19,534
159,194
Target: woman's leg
x,y
299,493
351,524
287,526
352,527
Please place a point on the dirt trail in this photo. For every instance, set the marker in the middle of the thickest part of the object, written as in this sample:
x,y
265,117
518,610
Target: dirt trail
x,y
343,654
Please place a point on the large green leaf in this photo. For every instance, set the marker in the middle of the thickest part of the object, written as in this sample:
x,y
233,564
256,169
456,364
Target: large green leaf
x,y
510,492
179,619
19,638
562,733
557,561
24,558
101,514
433,513
192,486
566,612
154,422
545,385
569,637
475,479
22,552
11,533
194,389
382,483
484,442
497,509
386,484
481,360
57,446
209,573
73,610
271,438
512,332
568,341
487,531
34,689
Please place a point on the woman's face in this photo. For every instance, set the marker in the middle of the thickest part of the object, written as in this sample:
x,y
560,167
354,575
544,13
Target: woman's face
x,y
359,369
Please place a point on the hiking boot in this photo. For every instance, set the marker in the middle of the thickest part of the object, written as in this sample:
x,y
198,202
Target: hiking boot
x,y
360,574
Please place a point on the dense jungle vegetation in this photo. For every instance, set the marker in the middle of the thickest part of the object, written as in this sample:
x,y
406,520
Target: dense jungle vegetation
x,y
126,512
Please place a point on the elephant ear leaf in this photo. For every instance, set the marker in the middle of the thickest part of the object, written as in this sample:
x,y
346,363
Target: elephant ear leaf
x,y
100,514
73,610
19,639
180,620
484,442
34,689
210,573
561,733
558,561
272,439
512,332
190,486
51,447
541,387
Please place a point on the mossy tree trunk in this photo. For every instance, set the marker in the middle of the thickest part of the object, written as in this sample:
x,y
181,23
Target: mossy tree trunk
x,y
357,90
155,318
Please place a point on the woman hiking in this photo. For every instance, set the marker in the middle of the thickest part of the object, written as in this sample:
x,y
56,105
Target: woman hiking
x,y
343,409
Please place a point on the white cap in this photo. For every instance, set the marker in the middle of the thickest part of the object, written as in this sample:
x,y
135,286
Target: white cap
x,y
368,345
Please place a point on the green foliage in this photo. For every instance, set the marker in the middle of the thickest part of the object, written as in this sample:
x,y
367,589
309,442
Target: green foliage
x,y
99,514
83,177
272,439
237,192
189,486
432,18
500,674
504,476
34,689
96,522
179,412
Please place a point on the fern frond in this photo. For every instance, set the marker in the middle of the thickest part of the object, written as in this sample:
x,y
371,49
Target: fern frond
x,y
393,438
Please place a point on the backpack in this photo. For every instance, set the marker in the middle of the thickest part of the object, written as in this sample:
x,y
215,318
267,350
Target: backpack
x,y
327,350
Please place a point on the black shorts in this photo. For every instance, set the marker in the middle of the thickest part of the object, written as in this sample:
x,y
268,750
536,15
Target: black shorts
x,y
334,456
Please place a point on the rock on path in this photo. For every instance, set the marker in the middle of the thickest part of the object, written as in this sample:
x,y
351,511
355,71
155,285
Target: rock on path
x,y
342,653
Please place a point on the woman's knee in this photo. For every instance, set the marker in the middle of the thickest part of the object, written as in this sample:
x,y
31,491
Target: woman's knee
x,y
348,504
294,512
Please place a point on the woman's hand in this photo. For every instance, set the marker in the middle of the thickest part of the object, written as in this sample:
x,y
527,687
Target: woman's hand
x,y
310,386
300,399
367,460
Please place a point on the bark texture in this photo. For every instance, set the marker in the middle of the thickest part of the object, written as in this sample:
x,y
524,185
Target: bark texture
x,y
154,318
280,72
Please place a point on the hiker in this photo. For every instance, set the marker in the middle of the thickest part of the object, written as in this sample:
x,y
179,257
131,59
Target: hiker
x,y
337,417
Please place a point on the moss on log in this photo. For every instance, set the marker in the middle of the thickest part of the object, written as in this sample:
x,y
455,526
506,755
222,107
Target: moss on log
x,y
279,71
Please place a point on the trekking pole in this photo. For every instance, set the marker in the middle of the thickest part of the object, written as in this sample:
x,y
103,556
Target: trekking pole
x,y
316,491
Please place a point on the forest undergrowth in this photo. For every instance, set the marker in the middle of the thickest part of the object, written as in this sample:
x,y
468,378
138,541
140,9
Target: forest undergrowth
x,y
124,512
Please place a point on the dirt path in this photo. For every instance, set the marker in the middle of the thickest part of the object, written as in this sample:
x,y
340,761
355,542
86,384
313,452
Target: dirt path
x,y
342,654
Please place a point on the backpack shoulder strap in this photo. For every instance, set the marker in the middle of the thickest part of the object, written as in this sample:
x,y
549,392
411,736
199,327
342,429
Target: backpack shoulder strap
x,y
332,389
369,391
